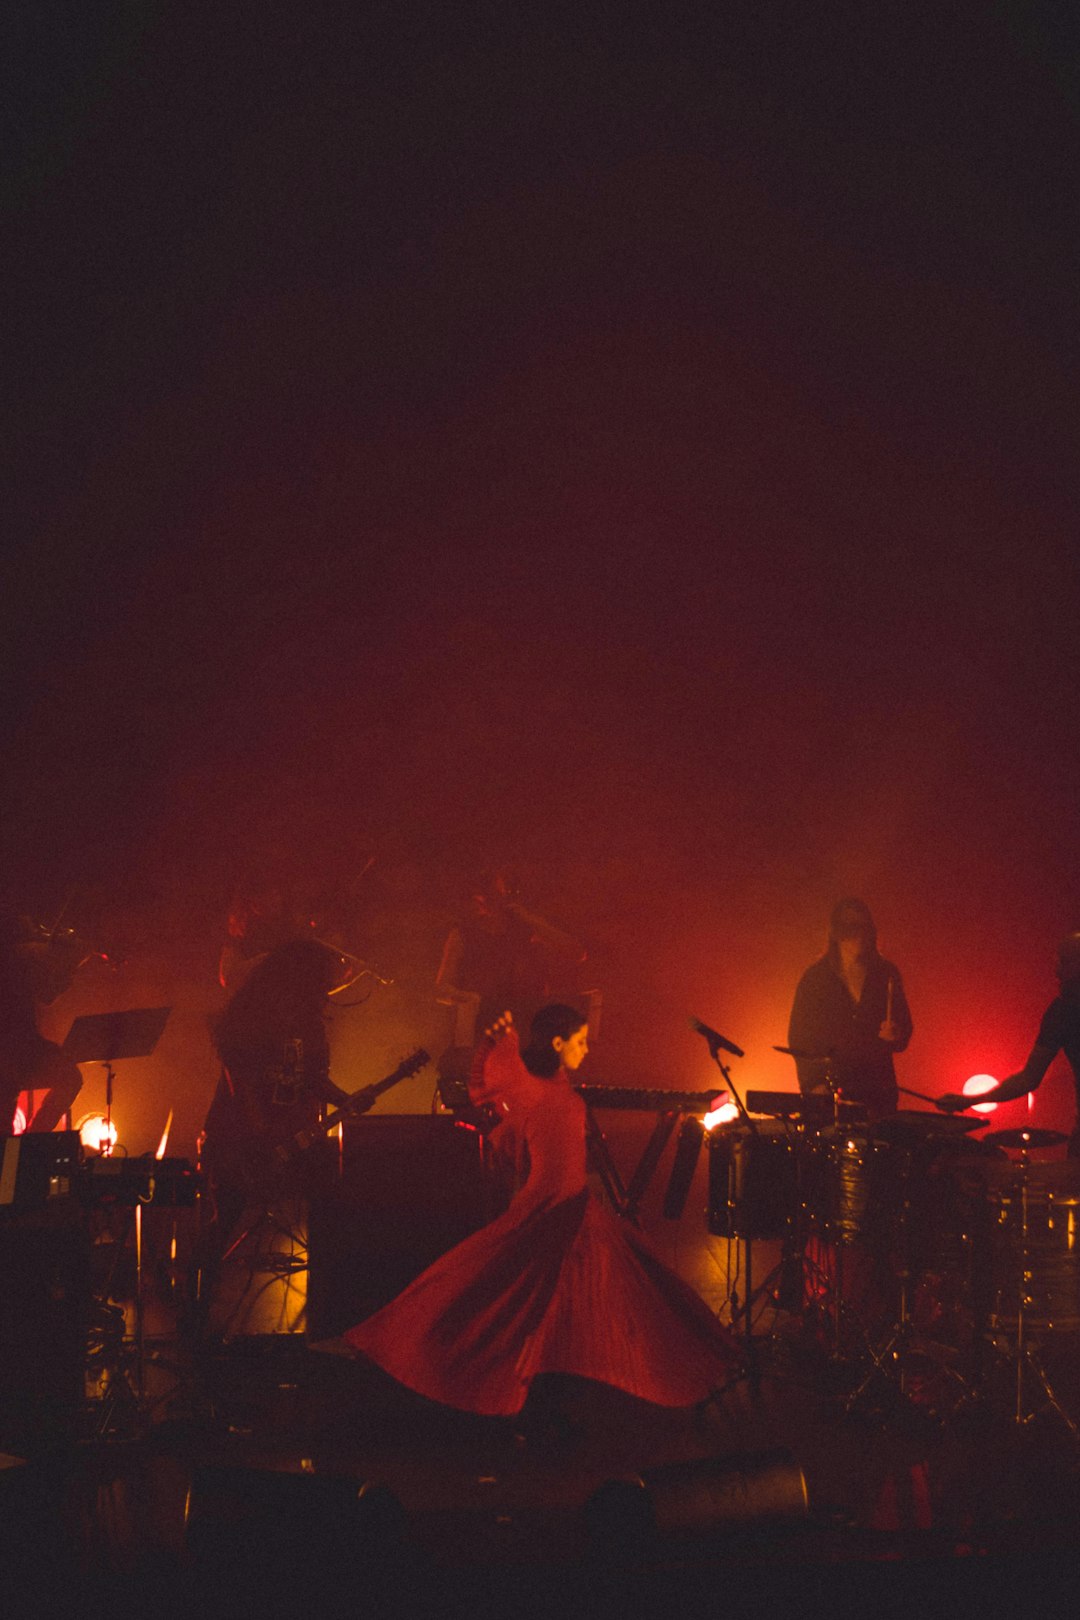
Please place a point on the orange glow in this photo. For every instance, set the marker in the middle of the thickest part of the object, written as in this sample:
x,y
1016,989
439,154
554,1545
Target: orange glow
x,y
975,1088
723,1115
163,1144
97,1134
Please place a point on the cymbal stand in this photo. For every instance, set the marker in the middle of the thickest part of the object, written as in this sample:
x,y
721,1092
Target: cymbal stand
x,y
892,1359
1023,1352
271,1243
120,1356
833,1278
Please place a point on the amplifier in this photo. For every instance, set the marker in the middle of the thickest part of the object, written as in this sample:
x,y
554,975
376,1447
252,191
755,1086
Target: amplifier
x,y
38,1168
404,1189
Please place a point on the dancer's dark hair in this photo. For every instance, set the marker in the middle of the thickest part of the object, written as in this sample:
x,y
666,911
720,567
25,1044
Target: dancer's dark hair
x,y
558,1020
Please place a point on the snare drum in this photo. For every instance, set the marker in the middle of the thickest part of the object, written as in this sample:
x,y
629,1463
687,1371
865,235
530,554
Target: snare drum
x,y
753,1180
1041,1265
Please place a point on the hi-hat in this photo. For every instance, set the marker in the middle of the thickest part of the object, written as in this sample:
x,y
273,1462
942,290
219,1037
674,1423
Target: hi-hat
x,y
1021,1138
915,1122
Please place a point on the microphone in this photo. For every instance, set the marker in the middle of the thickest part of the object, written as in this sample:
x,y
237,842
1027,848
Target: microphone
x,y
714,1039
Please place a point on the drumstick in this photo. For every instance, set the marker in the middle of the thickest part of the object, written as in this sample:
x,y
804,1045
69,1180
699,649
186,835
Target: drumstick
x,y
888,1001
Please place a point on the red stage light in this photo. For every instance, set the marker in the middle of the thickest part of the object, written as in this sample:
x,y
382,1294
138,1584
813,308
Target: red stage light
x,y
975,1088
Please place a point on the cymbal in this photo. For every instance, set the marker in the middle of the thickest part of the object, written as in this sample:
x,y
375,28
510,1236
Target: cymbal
x,y
804,1057
1026,1138
915,1122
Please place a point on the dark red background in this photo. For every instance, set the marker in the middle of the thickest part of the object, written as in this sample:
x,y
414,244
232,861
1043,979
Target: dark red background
x,y
638,445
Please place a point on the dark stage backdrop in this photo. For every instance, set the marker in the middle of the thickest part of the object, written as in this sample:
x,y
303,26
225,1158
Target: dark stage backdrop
x,y
639,450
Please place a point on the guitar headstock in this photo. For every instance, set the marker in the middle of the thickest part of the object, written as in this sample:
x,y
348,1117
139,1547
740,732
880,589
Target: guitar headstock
x,y
413,1063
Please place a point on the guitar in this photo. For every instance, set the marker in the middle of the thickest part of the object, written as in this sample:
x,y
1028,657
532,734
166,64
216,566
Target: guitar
x,y
256,1160
295,1146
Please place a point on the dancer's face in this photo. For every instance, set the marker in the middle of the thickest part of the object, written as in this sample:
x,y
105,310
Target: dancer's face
x,y
573,1048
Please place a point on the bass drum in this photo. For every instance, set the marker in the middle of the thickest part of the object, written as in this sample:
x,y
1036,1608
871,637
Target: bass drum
x,y
754,1180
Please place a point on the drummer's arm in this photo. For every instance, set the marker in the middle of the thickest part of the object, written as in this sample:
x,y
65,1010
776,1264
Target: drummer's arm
x,y
1029,1078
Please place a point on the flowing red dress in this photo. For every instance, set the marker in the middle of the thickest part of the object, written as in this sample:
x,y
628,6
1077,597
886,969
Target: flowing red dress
x,y
556,1284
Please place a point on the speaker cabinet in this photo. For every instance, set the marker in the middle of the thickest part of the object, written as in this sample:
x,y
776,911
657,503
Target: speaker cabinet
x,y
44,1316
402,1190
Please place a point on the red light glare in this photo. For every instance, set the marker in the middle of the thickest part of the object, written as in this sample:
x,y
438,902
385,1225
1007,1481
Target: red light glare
x,y
975,1087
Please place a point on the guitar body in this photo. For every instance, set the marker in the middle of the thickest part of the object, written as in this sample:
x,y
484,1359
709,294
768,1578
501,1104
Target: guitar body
x,y
261,1133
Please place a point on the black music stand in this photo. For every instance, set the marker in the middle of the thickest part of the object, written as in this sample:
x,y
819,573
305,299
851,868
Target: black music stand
x,y
110,1038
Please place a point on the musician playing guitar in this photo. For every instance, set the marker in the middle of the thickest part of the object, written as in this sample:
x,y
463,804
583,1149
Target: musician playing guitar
x,y
267,1110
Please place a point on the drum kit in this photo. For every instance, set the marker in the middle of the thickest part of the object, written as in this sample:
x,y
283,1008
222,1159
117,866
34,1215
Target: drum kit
x,y
929,1262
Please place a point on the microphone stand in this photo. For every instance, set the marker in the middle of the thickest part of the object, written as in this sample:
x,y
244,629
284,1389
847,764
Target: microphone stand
x,y
753,1372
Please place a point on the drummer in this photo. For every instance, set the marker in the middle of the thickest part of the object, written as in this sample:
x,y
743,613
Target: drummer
x,y
850,1015
1059,1031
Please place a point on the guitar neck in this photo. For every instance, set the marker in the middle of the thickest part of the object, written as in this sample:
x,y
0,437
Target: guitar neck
x,y
361,1101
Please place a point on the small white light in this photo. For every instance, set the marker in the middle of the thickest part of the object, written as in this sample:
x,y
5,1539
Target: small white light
x,y
723,1115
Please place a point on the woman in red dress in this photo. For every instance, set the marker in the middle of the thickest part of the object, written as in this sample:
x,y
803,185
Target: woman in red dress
x,y
557,1283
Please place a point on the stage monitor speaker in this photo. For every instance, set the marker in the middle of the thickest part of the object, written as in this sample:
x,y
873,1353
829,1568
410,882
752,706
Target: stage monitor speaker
x,y
688,1503
403,1190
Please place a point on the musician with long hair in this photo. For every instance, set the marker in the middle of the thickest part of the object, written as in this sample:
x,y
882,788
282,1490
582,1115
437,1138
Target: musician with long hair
x,y
274,1083
850,1015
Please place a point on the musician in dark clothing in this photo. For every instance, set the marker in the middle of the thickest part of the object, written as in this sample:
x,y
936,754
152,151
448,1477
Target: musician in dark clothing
x,y
1059,1031
850,1015
274,1083
500,956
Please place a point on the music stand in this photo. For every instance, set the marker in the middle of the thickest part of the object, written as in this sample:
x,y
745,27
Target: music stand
x,y
109,1038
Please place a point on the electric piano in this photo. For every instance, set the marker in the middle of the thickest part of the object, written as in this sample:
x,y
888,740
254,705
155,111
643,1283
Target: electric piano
x,y
174,1183
649,1099
668,1106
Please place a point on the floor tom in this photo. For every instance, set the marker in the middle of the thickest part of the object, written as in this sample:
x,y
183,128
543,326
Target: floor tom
x,y
1035,1246
754,1180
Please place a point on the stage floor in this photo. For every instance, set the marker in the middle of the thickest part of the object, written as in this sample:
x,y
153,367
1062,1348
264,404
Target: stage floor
x,y
264,1475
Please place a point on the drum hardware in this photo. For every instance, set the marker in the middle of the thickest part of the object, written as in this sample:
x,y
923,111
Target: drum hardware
x,y
108,1038
828,1110
905,1349
1021,1349
893,1198
813,1108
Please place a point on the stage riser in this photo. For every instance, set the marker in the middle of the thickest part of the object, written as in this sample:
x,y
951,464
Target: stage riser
x,y
409,1188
